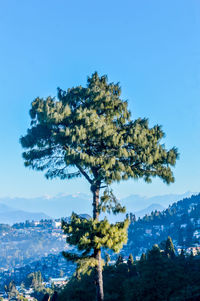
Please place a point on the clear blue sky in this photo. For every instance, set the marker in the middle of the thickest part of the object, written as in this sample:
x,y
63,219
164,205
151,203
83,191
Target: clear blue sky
x,y
151,47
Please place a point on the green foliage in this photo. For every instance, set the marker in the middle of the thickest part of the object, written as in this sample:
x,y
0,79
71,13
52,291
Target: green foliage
x,y
109,203
143,257
80,289
34,280
119,260
131,266
107,259
90,129
130,261
169,248
158,278
11,289
91,234
40,292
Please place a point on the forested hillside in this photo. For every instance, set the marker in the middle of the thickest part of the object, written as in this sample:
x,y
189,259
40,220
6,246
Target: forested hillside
x,y
181,221
158,276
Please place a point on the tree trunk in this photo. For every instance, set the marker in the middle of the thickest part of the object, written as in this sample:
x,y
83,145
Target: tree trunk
x,y
97,252
99,278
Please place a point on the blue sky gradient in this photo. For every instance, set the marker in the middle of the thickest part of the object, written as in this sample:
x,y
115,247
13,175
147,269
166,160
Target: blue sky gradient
x,y
151,47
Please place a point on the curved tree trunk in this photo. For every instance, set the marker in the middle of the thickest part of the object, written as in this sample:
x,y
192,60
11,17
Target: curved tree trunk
x,y
97,252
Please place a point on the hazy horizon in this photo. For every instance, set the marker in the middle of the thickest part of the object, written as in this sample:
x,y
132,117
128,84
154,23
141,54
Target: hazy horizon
x,y
89,194
63,205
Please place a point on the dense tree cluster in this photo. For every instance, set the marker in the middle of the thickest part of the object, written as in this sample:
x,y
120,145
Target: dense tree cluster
x,y
35,281
158,276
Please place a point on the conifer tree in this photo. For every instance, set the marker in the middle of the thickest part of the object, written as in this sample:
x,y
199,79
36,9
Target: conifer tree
x,y
143,257
39,277
132,218
11,289
107,259
88,131
130,261
169,248
131,267
182,254
119,260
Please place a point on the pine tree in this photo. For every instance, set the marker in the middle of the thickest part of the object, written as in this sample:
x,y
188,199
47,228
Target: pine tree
x,y
119,260
130,261
132,218
22,287
143,257
182,254
11,289
131,267
169,248
88,131
39,278
107,259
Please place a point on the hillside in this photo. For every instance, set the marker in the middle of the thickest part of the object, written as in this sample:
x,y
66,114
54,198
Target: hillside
x,y
26,247
181,221
23,243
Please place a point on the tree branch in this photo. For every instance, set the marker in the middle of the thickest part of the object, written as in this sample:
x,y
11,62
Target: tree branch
x,y
84,173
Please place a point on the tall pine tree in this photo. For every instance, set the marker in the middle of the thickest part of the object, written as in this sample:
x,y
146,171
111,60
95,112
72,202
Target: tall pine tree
x,y
88,131
169,248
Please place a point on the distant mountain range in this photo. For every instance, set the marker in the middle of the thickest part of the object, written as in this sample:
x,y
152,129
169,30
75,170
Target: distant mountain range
x,y
149,209
56,207
62,206
10,215
136,202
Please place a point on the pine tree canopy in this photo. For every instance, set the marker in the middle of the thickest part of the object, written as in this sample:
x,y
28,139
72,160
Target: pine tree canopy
x,y
91,234
88,131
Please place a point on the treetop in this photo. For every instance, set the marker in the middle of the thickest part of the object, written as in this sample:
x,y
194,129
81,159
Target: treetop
x,y
88,131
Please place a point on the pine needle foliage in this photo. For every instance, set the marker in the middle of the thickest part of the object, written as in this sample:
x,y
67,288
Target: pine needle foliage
x,y
110,204
91,234
89,128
